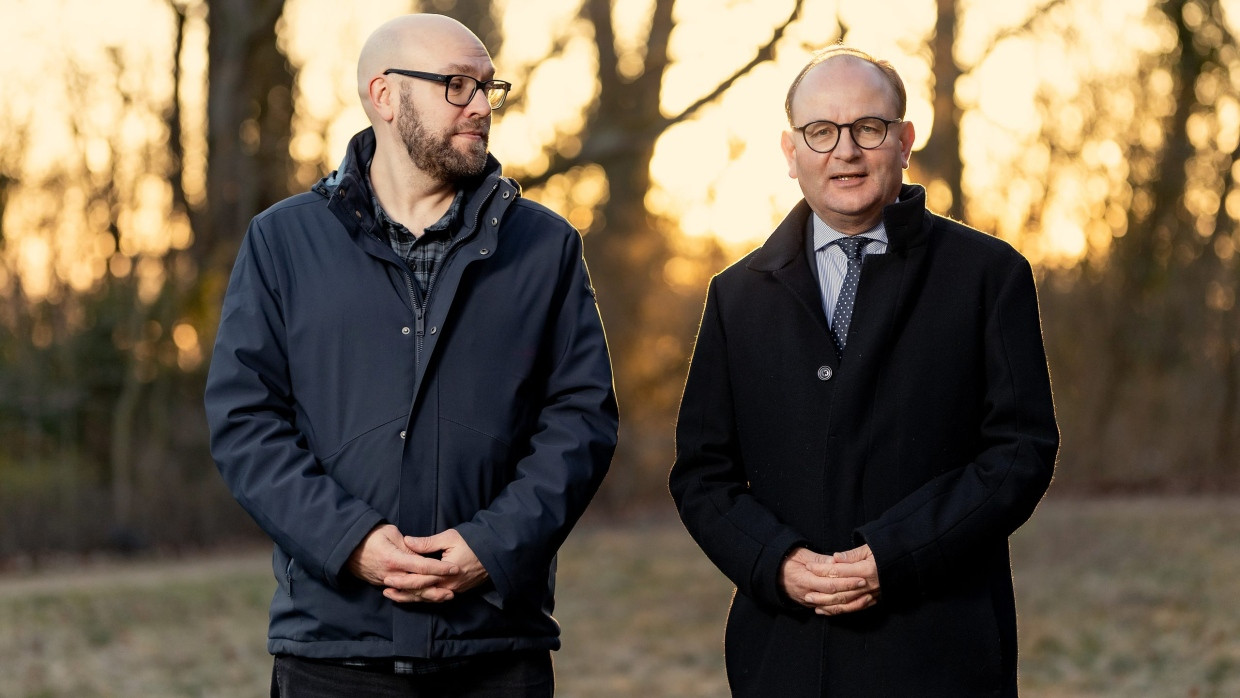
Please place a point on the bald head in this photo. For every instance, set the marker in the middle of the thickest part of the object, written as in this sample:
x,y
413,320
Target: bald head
x,y
416,42
840,52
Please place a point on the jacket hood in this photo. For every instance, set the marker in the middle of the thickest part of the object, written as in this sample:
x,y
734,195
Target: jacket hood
x,y
903,220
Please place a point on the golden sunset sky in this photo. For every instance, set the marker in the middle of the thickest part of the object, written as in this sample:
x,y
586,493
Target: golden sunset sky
x,y
719,174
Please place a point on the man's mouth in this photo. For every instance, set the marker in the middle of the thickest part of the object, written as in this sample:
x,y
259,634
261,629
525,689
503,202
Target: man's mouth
x,y
476,131
846,177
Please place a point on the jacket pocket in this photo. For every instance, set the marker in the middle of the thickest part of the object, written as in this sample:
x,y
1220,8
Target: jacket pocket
x,y
282,569
368,465
473,468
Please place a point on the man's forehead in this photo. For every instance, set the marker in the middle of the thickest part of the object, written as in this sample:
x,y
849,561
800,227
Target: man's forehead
x,y
477,68
826,75
840,68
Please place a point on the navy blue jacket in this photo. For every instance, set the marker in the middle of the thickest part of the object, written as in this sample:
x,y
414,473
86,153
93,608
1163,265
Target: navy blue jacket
x,y
334,406
932,440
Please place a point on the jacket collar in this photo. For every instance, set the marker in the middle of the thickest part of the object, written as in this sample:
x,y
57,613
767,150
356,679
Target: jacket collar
x,y
902,219
348,192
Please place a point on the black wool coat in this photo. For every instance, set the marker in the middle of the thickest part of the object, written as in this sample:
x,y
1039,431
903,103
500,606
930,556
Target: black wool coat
x,y
931,441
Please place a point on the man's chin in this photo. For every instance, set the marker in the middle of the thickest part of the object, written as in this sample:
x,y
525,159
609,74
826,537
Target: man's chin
x,y
474,158
470,144
468,169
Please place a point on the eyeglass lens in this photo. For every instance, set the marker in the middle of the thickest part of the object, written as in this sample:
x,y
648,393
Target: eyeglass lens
x,y
460,90
823,136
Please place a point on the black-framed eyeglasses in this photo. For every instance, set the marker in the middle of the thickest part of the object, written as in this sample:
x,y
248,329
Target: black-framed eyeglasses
x,y
459,90
868,132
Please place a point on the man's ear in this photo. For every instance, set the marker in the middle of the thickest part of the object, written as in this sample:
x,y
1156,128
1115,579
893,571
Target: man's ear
x,y
382,98
789,147
908,134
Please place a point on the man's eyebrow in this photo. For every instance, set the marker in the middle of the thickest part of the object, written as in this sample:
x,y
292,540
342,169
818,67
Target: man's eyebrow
x,y
462,68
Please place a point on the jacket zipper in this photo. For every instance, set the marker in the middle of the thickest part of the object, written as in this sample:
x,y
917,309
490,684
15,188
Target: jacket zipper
x,y
419,316
419,309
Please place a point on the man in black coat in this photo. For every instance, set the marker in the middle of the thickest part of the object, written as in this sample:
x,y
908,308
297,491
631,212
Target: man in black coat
x,y
865,423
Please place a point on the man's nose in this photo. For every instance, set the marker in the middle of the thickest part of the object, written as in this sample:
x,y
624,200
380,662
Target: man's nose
x,y
478,104
846,147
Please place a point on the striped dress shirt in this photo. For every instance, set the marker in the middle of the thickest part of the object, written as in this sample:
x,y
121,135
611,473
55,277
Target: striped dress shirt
x,y
832,263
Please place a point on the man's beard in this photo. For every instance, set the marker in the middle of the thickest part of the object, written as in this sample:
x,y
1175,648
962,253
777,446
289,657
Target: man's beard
x,y
435,154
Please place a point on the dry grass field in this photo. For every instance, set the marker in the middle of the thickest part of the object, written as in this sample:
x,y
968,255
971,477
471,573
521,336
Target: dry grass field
x,y
1117,598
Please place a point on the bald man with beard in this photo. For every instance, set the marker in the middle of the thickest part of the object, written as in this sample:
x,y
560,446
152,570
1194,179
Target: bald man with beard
x,y
411,394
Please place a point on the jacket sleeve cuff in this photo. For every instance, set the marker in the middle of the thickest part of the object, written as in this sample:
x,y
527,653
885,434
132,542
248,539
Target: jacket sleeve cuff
x,y
333,567
479,541
766,577
899,574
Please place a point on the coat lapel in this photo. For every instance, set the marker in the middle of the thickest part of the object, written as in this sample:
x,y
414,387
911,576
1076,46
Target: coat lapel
x,y
783,256
889,282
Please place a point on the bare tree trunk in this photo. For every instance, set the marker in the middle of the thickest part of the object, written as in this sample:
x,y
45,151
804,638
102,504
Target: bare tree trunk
x,y
249,116
121,454
940,161
627,248
1141,256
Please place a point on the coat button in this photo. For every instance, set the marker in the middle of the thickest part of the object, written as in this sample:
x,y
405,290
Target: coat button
x,y
506,195
402,433
494,221
434,330
825,373
484,251
404,330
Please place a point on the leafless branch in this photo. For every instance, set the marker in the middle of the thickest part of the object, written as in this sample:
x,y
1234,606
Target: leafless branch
x,y
765,53
1018,29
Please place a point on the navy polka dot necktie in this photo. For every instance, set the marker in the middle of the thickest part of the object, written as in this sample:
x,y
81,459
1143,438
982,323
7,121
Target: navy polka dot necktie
x,y
854,249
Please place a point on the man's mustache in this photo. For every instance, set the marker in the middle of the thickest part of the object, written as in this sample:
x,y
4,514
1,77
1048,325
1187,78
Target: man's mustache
x,y
479,126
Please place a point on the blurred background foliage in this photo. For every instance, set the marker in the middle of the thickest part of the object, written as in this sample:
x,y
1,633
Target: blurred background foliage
x,y
1101,137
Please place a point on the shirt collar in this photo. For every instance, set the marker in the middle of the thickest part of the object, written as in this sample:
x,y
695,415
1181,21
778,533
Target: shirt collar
x,y
825,235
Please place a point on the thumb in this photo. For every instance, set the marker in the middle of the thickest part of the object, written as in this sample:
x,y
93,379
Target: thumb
x,y
854,555
424,545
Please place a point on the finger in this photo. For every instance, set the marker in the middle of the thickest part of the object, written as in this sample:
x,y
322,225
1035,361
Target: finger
x,y
822,567
864,568
806,557
834,585
833,569
812,559
428,544
860,603
429,595
411,580
855,555
820,600
417,564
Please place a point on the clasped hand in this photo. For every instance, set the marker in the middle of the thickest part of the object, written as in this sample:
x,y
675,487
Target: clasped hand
x,y
831,584
400,564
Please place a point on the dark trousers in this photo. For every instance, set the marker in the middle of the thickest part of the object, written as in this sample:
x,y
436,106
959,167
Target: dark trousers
x,y
503,675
